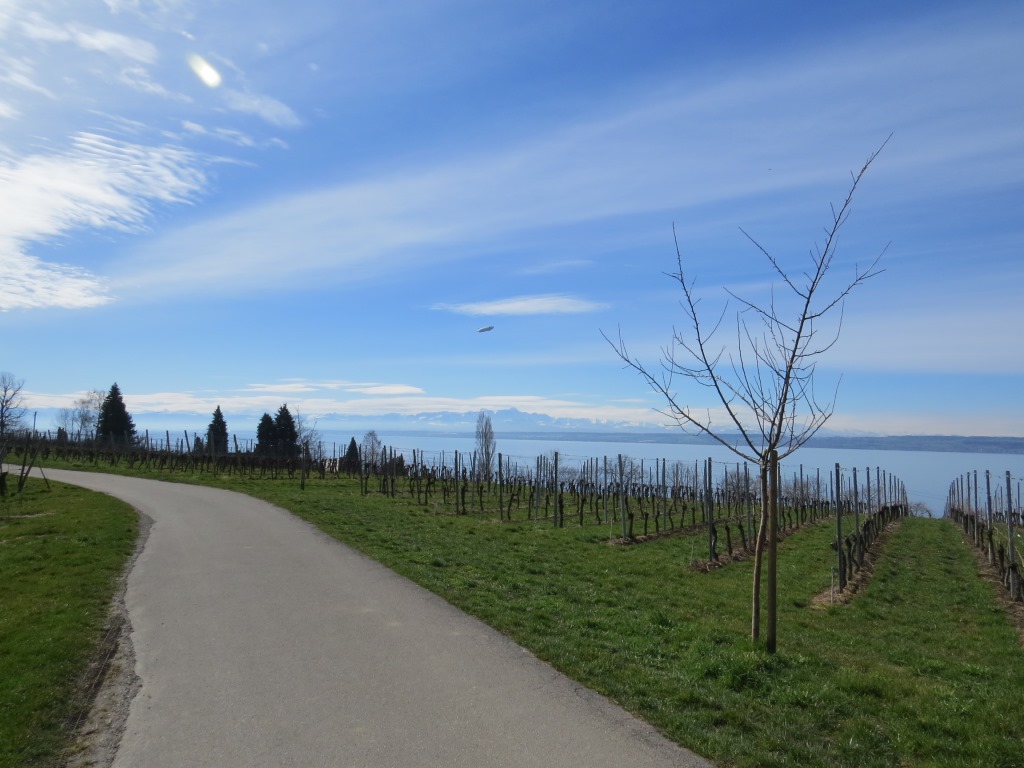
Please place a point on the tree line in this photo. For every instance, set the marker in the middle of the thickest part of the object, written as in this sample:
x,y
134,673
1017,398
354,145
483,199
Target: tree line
x,y
103,417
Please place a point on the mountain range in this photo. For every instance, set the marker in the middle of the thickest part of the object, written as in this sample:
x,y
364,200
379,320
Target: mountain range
x,y
515,424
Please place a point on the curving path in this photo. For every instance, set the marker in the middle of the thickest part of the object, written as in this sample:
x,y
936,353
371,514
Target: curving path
x,y
260,641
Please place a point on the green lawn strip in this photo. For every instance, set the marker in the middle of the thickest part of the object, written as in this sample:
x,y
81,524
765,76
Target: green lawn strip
x,y
61,552
922,668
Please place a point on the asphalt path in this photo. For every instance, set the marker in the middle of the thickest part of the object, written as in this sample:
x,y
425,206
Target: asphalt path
x,y
261,641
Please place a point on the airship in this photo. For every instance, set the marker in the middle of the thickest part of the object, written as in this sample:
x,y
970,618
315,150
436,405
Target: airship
x,y
485,329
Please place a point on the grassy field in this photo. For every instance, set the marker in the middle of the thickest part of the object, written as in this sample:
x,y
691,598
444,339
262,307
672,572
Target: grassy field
x,y
922,668
61,551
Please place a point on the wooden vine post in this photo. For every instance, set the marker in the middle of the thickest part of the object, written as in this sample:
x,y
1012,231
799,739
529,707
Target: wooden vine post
x,y
622,494
709,510
856,503
501,493
839,528
1011,549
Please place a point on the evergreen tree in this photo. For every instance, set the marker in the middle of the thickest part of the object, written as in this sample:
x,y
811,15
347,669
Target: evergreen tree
x,y
115,423
266,436
351,461
287,434
217,434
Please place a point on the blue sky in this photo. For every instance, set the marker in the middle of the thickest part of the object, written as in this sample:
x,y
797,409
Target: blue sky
x,y
318,203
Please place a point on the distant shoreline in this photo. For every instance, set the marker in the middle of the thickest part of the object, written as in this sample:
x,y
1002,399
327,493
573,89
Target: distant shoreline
x,y
927,443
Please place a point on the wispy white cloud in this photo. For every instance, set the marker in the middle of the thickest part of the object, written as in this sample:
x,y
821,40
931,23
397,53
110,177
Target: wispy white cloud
x,y
387,389
114,44
306,386
547,304
229,135
140,79
35,27
98,183
553,267
21,74
265,107
29,283
284,388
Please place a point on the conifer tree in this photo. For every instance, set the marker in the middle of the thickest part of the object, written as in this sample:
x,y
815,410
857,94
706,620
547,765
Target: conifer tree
x,y
286,433
115,423
217,434
266,436
351,460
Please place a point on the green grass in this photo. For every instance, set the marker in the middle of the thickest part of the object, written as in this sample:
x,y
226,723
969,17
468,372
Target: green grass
x,y
61,551
922,668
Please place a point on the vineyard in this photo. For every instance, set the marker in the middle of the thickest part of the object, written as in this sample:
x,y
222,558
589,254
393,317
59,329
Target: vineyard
x,y
991,519
717,504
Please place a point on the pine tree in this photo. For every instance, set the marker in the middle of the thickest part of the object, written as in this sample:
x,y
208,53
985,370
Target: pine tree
x,y
351,460
287,434
217,434
266,436
115,423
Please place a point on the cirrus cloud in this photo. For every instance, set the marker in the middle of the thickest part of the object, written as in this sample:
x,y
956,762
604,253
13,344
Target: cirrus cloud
x,y
99,182
544,304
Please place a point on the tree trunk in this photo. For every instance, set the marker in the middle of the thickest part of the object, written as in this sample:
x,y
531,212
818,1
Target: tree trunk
x,y
762,531
773,541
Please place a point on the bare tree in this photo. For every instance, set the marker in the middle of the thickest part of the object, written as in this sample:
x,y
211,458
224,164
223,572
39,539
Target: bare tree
x,y
65,420
486,452
309,438
764,379
920,509
12,404
372,450
87,412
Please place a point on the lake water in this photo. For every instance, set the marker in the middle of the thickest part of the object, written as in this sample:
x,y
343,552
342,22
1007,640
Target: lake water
x,y
926,475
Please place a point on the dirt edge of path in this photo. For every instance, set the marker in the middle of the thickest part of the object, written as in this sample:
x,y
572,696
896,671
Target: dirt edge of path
x,y
110,682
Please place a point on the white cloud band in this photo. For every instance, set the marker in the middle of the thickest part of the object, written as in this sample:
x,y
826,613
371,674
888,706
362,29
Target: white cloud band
x,y
547,304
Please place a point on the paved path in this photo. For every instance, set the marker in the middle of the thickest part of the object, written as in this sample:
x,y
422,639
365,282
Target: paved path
x,y
260,641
